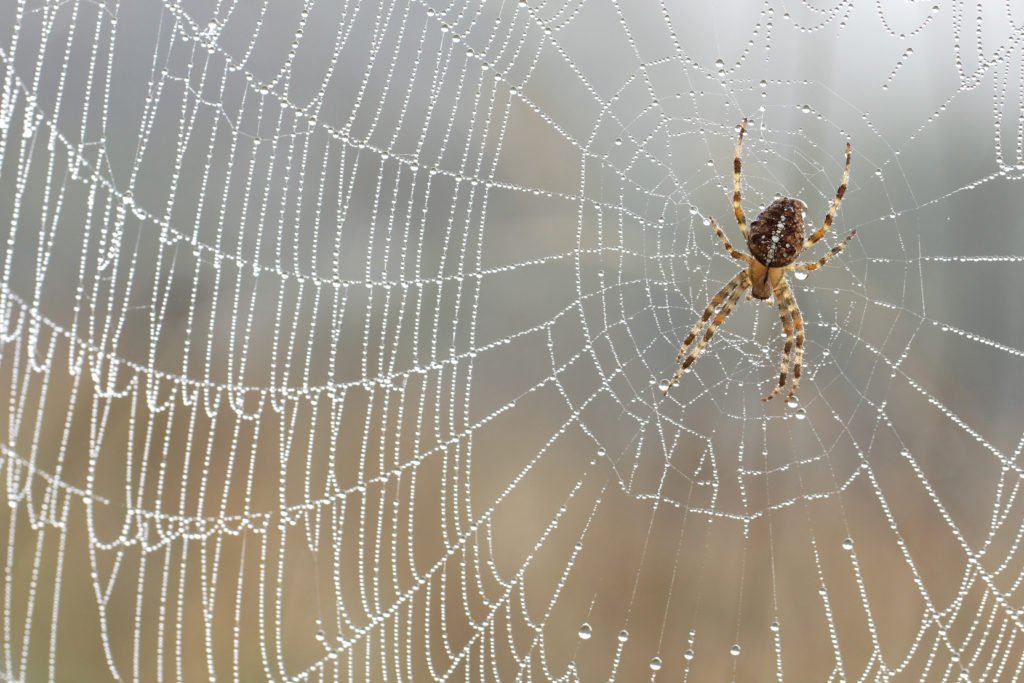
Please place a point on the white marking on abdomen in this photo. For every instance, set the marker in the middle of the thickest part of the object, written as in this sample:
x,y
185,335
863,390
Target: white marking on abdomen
x,y
776,236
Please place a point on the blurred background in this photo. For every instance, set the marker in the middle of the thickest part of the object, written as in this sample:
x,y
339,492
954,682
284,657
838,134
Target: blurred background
x,y
335,339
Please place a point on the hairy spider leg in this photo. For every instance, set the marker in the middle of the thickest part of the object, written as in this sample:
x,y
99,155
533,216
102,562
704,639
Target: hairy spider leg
x,y
798,326
814,265
787,327
730,304
733,290
740,218
728,247
830,216
716,301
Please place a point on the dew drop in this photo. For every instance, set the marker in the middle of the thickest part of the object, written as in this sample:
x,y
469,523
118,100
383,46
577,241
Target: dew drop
x,y
735,649
848,544
623,636
800,274
774,626
655,663
688,655
585,631
800,414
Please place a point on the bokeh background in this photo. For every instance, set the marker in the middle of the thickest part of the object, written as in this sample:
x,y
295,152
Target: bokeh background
x,y
335,337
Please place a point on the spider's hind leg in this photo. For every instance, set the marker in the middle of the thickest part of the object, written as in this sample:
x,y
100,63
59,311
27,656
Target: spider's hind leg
x,y
739,255
830,216
814,265
741,219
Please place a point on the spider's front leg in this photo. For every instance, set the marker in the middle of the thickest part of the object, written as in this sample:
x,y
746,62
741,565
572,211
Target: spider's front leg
x,y
787,326
729,294
792,322
798,325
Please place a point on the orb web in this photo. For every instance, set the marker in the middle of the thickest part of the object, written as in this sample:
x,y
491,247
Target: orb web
x,y
335,340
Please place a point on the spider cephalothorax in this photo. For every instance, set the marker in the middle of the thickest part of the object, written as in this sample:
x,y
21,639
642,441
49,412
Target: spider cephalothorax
x,y
775,239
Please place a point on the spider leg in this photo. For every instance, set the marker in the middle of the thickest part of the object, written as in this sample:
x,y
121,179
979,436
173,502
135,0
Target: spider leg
x,y
820,232
733,289
716,301
787,325
728,247
814,265
798,325
740,218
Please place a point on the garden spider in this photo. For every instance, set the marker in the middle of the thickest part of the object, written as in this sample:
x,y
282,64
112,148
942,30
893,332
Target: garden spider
x,y
775,239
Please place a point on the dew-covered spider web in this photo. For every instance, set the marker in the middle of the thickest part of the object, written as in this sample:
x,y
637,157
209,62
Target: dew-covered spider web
x,y
334,339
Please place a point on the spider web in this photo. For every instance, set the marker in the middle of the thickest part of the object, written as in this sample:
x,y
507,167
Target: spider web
x,y
335,335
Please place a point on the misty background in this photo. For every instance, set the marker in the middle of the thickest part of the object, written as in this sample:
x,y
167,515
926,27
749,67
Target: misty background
x,y
334,339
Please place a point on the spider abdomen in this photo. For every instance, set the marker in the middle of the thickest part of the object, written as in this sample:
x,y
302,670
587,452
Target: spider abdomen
x,y
777,234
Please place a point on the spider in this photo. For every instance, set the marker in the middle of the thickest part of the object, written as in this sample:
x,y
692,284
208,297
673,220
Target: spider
x,y
774,240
